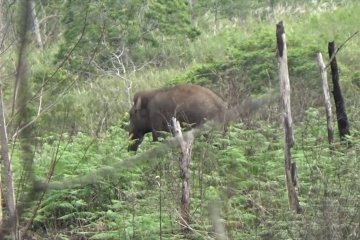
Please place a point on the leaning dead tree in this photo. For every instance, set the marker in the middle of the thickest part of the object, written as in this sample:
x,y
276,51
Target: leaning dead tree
x,y
327,102
186,148
341,116
290,167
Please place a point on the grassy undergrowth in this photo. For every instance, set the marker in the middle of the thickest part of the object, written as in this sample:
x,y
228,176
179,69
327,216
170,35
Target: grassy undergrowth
x,y
242,173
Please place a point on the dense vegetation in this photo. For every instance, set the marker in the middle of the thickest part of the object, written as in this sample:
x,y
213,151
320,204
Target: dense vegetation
x,y
97,54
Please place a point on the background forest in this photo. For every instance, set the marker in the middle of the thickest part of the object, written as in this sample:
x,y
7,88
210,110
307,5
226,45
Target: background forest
x,y
86,59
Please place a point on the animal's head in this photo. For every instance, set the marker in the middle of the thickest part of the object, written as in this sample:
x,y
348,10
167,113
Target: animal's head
x,y
139,119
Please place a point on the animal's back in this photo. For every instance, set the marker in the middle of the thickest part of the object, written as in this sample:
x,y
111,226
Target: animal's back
x,y
189,103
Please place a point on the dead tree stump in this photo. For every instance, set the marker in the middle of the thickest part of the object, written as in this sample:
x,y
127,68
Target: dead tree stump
x,y
290,169
185,143
327,102
341,116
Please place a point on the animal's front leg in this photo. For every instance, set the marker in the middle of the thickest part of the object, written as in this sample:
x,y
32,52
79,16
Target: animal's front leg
x,y
155,135
159,126
156,123
134,146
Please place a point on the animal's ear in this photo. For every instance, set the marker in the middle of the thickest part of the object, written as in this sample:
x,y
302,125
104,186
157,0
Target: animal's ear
x,y
138,103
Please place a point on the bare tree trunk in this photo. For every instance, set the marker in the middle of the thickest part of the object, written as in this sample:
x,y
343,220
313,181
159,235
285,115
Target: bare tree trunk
x,y
21,95
186,147
9,181
21,67
290,172
39,44
342,119
11,224
1,47
327,102
35,25
2,190
2,26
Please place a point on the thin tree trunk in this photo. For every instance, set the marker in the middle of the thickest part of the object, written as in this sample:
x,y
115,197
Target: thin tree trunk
x,y
35,25
9,181
290,172
39,44
342,119
2,26
21,96
1,48
327,102
2,190
186,148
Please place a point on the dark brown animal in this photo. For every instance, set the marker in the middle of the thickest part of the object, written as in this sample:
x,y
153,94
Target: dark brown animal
x,y
153,110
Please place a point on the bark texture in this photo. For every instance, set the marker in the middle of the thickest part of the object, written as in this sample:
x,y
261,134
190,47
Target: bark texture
x,y
290,172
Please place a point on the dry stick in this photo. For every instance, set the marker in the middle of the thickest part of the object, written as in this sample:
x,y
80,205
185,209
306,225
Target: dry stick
x,y
327,102
158,180
342,119
186,147
287,120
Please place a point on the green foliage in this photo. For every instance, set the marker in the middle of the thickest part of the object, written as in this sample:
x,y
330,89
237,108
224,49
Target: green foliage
x,y
158,43
100,29
255,57
171,18
242,170
252,62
